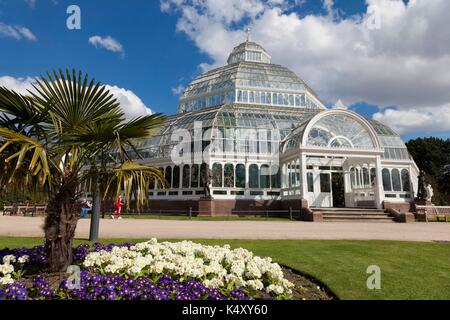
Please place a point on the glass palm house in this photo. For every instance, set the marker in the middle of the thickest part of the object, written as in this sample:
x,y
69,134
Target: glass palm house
x,y
270,142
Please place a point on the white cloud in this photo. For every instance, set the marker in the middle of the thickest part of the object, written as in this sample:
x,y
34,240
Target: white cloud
x,y
178,90
20,85
31,3
108,43
16,31
425,119
130,103
405,63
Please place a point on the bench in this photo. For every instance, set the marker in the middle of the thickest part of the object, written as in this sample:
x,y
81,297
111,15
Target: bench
x,y
438,212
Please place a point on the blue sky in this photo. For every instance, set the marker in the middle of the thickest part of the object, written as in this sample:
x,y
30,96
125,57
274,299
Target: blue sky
x,y
163,49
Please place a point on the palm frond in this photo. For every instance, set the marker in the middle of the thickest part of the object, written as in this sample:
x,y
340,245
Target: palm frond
x,y
133,178
30,149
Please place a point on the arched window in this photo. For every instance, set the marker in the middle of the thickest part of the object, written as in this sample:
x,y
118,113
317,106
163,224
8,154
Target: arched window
x,y
275,176
159,185
386,179
405,180
396,183
253,173
217,175
240,176
358,178
151,184
352,177
186,174
366,176
203,171
339,131
310,181
168,176
228,174
176,177
373,176
264,177
194,176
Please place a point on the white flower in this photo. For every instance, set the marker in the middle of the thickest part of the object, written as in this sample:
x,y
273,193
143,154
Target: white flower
x,y
9,258
6,269
215,266
23,259
6,280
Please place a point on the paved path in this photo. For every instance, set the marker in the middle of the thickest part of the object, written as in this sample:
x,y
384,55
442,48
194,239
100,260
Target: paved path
x,y
185,229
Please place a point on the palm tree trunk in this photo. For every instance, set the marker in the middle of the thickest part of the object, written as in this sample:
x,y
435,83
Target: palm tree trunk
x,y
60,224
95,217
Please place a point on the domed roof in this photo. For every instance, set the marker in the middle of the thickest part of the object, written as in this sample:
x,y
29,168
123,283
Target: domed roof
x,y
249,51
249,71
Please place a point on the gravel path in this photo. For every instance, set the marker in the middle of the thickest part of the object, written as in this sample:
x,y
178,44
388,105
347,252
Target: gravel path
x,y
182,229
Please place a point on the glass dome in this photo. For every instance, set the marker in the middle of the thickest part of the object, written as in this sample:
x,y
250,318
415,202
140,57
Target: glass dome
x,y
249,78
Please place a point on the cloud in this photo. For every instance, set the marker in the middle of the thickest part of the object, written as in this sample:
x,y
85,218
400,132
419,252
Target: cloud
x,y
31,3
108,43
425,119
394,54
130,103
16,32
178,90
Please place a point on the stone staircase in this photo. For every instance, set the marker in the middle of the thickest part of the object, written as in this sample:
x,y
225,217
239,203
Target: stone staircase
x,y
353,215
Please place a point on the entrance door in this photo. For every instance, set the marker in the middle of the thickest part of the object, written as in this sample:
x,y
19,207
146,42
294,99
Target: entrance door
x,y
338,189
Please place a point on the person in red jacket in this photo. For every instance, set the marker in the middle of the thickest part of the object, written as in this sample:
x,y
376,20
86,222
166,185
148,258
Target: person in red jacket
x,y
118,206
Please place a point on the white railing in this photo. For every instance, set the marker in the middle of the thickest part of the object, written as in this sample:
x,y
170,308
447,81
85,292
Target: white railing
x,y
436,211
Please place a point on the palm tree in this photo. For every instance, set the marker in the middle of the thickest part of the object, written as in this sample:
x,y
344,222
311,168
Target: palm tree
x,y
67,132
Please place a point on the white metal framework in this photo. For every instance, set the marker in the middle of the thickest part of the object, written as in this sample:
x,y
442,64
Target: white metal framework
x,y
266,135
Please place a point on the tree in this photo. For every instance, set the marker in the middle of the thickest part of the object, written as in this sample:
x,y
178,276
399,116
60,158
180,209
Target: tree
x,y
432,155
70,131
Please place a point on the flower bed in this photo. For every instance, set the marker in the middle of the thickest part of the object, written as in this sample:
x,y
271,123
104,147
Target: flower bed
x,y
149,270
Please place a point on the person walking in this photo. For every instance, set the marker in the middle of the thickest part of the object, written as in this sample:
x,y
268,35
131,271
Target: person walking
x,y
118,206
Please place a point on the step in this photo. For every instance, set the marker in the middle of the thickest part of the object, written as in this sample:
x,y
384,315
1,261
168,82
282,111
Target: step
x,y
365,217
348,209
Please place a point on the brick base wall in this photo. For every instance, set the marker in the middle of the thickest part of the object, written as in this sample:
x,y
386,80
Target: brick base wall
x,y
400,207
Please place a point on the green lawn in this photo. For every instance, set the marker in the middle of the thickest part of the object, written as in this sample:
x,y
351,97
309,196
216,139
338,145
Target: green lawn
x,y
409,270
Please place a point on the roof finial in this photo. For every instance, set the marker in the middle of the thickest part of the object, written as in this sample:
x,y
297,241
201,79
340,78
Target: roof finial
x,y
248,31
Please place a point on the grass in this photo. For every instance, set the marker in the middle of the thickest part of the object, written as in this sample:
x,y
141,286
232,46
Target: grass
x,y
409,270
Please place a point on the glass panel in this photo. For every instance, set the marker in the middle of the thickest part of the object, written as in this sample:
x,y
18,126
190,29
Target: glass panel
x,y
352,177
309,179
396,184
194,176
339,131
240,176
386,180
176,177
275,176
228,175
264,177
366,176
217,175
168,176
373,176
158,184
325,184
186,174
405,180
253,176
